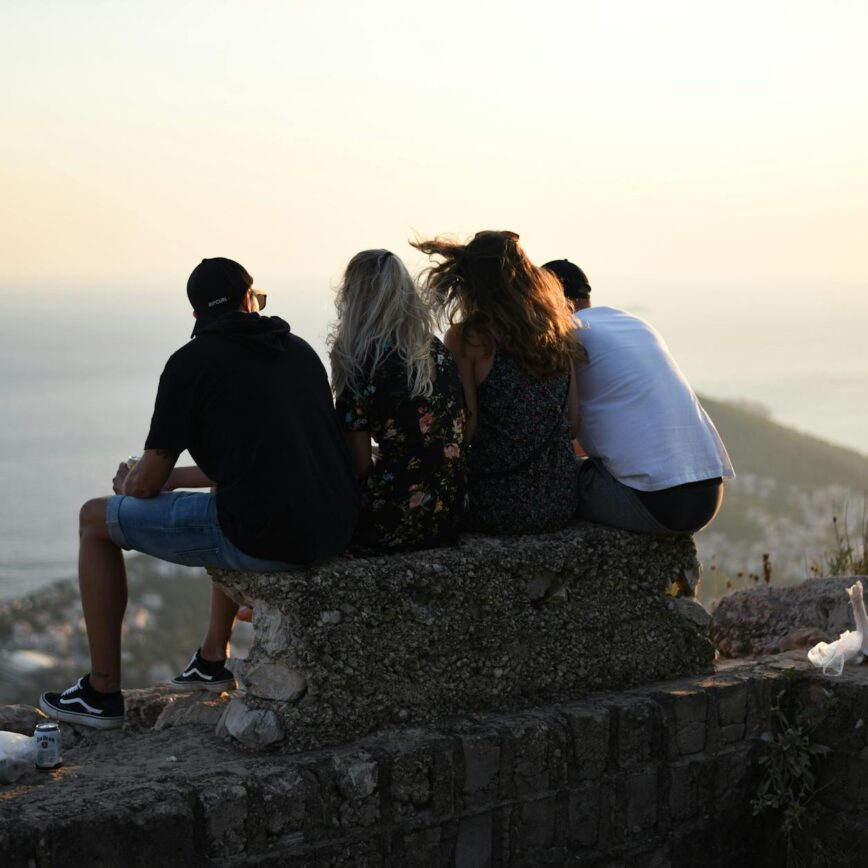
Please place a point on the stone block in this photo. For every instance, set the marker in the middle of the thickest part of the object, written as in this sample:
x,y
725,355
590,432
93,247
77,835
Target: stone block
x,y
481,755
641,799
20,718
353,853
224,807
691,712
272,681
142,708
473,846
732,734
198,709
683,796
584,813
282,805
637,721
589,725
489,625
734,772
411,783
857,783
535,826
691,609
761,695
525,757
256,728
417,849
731,702
357,777
501,849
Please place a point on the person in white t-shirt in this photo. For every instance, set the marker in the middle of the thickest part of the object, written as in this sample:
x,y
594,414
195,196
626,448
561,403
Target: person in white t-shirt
x,y
655,462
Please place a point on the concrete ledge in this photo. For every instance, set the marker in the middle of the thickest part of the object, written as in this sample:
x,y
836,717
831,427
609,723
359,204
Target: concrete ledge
x,y
493,624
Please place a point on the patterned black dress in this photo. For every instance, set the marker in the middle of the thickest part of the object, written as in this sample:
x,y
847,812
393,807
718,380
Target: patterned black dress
x,y
523,471
416,495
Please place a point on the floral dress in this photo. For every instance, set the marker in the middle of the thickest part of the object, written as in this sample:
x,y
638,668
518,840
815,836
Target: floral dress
x,y
416,494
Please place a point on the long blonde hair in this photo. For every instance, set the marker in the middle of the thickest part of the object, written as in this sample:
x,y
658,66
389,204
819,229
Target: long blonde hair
x,y
498,296
379,310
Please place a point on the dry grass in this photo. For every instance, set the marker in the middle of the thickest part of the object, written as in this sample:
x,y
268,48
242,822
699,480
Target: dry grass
x,y
849,557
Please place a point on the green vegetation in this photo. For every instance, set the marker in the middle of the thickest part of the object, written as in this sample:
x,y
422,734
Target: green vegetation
x,y
789,764
850,555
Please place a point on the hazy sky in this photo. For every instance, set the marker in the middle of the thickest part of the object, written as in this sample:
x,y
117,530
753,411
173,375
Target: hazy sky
x,y
687,141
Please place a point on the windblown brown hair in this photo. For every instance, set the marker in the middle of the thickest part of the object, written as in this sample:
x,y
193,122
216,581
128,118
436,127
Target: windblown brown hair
x,y
499,297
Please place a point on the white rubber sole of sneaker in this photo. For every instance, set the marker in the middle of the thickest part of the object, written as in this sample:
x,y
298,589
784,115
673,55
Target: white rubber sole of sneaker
x,y
80,719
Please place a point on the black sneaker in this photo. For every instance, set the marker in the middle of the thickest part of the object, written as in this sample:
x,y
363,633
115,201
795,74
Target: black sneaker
x,y
83,705
202,674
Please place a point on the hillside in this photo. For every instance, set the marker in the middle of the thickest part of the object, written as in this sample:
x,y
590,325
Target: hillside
x,y
760,445
789,486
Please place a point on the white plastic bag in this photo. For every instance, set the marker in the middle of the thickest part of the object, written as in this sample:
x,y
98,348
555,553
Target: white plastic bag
x,y
851,645
17,755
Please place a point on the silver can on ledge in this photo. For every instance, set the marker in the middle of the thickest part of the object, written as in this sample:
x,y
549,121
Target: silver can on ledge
x,y
49,750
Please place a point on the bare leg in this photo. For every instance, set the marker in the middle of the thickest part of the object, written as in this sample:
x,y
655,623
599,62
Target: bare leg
x,y
102,580
215,645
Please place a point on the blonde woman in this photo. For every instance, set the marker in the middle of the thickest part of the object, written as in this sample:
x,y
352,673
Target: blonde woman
x,y
397,385
512,336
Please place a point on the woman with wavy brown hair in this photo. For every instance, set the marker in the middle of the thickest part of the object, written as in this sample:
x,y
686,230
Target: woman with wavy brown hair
x,y
512,334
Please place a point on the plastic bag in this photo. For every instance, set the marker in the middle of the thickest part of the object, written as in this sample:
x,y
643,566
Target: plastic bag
x,y
851,645
17,755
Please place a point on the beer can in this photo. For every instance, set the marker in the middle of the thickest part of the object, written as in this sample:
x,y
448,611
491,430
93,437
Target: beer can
x,y
49,751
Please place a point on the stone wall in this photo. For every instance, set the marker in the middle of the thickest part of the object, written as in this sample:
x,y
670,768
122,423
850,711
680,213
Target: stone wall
x,y
657,776
490,625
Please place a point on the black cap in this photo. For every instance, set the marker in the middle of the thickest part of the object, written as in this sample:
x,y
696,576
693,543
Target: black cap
x,y
572,278
217,286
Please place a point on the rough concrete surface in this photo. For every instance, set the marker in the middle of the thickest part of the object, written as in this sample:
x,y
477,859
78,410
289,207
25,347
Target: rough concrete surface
x,y
769,620
492,624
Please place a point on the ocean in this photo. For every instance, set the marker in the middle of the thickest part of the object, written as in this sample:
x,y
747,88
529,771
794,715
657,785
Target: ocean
x,y
78,375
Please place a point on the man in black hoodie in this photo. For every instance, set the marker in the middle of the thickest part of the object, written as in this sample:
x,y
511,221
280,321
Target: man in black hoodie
x,y
252,404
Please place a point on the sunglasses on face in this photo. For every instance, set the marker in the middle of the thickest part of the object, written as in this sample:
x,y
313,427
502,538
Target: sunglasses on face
x,y
260,296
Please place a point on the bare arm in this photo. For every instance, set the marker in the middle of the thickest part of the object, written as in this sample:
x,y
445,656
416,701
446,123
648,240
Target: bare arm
x,y
464,360
359,443
149,476
188,477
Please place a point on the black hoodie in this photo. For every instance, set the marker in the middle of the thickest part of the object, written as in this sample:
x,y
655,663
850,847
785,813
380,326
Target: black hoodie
x,y
252,404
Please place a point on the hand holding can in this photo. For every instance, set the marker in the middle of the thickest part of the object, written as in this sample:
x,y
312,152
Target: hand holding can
x,y
123,471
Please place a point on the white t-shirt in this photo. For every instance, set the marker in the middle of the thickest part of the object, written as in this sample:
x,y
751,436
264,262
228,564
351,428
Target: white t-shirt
x,y
639,415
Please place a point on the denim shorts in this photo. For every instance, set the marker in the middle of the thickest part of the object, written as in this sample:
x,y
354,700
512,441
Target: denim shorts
x,y
180,527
